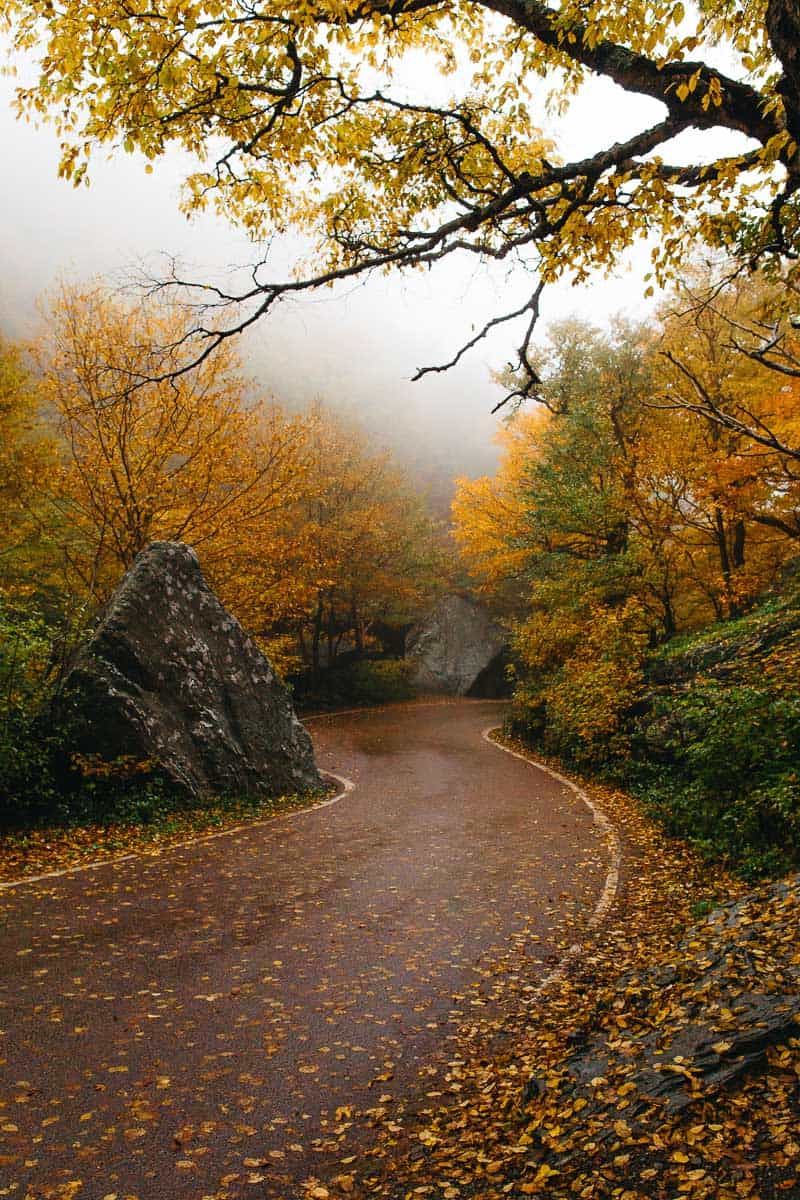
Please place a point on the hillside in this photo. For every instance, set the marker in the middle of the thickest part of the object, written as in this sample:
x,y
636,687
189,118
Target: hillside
x,y
715,736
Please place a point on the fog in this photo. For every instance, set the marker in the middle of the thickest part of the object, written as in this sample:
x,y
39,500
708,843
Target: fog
x,y
355,347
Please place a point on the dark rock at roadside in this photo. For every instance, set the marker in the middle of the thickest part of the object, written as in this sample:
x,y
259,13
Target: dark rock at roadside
x,y
699,1020
458,650
170,678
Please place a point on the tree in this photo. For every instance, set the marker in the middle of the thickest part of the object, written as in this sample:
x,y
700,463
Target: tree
x,y
25,462
754,326
738,462
301,115
185,459
368,547
489,515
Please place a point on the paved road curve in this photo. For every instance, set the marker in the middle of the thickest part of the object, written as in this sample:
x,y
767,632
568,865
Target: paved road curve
x,y
187,1026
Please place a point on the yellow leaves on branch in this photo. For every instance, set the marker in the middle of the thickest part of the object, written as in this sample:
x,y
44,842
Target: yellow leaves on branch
x,y
292,114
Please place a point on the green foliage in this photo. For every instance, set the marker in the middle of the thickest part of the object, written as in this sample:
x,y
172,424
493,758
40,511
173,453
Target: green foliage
x,y
730,779
364,683
40,779
26,645
27,780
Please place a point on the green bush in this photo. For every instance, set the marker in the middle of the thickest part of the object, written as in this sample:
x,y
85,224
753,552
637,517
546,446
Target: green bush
x,y
26,652
41,781
728,781
27,781
28,785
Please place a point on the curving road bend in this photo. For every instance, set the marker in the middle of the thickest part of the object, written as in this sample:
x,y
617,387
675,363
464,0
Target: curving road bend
x,y
210,1022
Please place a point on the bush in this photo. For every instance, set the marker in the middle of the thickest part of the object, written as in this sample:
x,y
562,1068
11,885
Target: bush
x,y
715,757
577,709
729,782
41,780
27,782
26,652
28,786
359,684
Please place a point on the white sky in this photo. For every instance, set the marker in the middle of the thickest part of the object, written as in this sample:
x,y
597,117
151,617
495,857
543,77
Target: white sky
x,y
358,346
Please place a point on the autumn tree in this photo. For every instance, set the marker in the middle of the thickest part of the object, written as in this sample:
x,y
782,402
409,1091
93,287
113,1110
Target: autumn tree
x,y
186,459
729,425
369,551
489,516
619,518
25,460
568,475
581,624
304,115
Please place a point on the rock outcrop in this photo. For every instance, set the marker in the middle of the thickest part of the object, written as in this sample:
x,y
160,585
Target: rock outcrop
x,y
458,650
706,1016
169,677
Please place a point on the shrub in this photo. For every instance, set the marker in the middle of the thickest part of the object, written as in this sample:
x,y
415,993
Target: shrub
x,y
578,709
364,683
27,782
729,782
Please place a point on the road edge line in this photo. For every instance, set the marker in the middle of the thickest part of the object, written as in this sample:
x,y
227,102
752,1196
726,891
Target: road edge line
x,y
346,785
613,844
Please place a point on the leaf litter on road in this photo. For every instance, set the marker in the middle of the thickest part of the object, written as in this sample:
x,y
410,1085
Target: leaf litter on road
x,y
511,1119
456,1126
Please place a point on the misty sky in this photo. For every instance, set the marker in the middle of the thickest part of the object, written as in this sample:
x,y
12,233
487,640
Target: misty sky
x,y
356,347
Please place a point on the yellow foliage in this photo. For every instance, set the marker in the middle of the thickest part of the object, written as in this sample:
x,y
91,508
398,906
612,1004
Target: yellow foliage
x,y
25,461
291,113
303,531
598,681
489,515
365,549
147,458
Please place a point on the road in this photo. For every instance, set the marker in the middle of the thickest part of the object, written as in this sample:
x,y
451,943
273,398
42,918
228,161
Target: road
x,y
212,1021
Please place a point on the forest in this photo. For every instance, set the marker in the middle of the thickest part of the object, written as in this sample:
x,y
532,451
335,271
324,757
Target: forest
x,y
310,536
641,530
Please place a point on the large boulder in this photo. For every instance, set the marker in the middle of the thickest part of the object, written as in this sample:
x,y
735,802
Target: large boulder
x,y
459,650
169,677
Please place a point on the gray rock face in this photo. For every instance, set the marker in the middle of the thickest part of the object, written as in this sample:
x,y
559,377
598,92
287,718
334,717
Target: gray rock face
x,y
170,677
459,650
729,992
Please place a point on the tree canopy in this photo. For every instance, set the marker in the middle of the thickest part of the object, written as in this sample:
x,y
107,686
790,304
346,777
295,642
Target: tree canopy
x,y
302,114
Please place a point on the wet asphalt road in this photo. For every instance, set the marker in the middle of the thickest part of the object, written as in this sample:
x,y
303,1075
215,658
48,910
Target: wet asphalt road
x,y
209,1022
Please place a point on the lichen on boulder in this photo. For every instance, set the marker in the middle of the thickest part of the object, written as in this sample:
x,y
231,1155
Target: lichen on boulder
x,y
170,678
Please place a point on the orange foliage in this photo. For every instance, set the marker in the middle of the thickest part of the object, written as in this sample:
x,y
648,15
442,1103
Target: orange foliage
x,y
489,515
185,459
368,550
25,461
